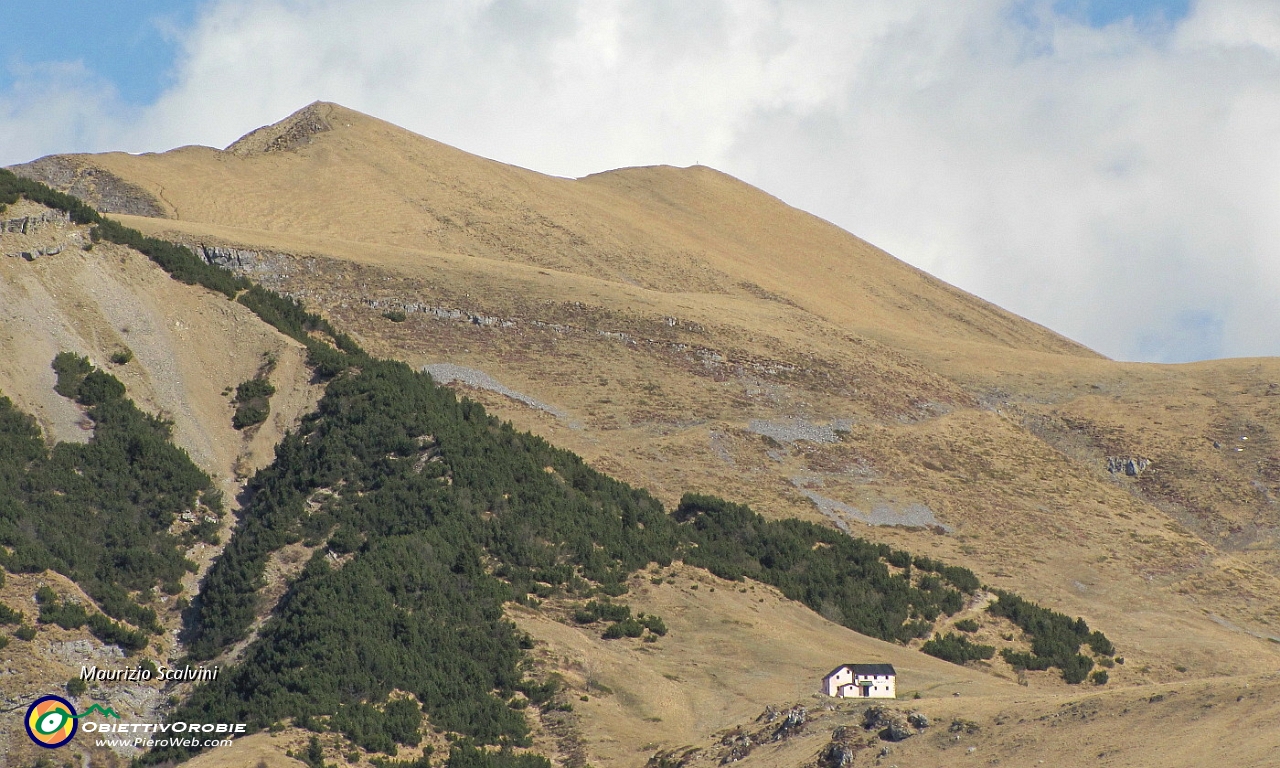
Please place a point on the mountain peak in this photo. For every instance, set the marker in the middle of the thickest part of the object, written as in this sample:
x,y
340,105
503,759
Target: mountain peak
x,y
289,134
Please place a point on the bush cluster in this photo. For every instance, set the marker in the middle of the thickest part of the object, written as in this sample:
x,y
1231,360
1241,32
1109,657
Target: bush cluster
x,y
845,578
290,317
1055,638
70,615
99,513
622,623
598,610
9,615
374,729
253,402
957,649
415,610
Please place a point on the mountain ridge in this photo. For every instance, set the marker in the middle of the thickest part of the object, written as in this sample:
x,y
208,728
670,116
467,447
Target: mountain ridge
x,y
592,224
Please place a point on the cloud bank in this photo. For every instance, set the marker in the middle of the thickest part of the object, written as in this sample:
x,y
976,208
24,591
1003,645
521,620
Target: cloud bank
x,y
1116,183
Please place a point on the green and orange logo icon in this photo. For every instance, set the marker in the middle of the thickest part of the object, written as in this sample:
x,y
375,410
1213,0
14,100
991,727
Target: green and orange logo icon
x,y
51,721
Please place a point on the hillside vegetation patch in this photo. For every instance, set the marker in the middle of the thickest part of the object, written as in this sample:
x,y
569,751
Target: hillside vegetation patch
x,y
99,513
253,402
447,513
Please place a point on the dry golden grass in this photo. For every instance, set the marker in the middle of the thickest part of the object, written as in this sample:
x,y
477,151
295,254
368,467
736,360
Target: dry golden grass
x,y
188,346
261,750
1215,722
661,310
733,650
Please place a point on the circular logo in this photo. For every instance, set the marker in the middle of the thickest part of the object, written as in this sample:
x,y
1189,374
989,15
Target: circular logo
x,y
51,721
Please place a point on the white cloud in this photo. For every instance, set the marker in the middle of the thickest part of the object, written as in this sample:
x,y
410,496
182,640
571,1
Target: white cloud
x,y
1116,184
57,105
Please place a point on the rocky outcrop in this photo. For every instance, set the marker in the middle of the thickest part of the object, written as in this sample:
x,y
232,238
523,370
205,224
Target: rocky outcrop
x,y
893,725
26,225
843,748
37,253
33,224
1127,465
96,186
289,134
673,758
266,267
229,258
780,725
837,756
960,725
457,315
793,722
739,746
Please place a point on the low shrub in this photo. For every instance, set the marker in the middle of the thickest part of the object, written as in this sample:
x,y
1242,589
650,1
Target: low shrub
x,y
253,398
627,628
9,615
957,649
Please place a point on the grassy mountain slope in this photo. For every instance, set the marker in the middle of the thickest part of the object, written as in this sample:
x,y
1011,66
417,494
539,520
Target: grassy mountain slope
x,y
660,312
678,326
446,514
186,347
337,174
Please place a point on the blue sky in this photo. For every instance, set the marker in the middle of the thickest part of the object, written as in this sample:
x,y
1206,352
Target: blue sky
x,y
132,44
1118,185
1102,12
